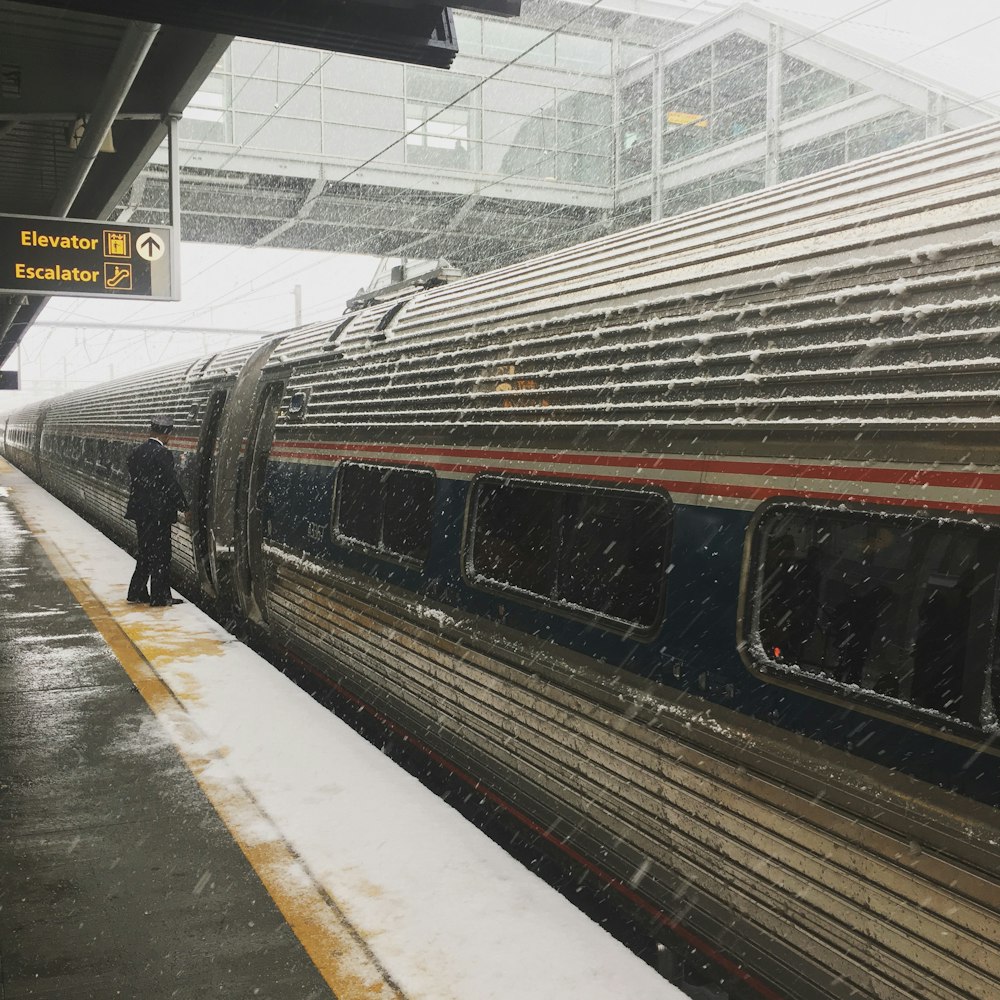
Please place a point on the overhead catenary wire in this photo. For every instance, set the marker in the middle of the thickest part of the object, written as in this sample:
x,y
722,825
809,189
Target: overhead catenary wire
x,y
866,8
510,175
513,174
416,128
483,186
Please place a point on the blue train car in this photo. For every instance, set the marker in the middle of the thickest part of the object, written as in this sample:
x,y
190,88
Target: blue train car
x,y
682,545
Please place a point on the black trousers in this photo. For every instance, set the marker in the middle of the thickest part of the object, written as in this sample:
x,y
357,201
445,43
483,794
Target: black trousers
x,y
152,565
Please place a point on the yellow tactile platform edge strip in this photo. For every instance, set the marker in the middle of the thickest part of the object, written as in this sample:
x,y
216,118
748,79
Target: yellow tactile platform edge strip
x,y
339,952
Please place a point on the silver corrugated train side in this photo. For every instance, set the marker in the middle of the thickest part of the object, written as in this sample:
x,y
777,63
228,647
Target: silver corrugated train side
x,y
847,319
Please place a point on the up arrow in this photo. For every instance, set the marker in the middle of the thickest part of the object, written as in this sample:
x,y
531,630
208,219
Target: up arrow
x,y
149,246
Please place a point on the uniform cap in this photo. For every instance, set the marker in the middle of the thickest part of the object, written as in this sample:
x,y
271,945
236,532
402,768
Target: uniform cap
x,y
162,423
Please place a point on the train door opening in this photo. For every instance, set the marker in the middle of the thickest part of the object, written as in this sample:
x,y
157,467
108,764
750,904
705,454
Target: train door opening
x,y
228,475
252,503
208,453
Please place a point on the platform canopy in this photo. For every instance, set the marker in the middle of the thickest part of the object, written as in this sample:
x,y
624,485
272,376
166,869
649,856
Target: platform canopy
x,y
85,95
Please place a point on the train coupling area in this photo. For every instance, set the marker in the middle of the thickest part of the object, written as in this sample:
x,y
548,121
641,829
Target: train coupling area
x,y
180,820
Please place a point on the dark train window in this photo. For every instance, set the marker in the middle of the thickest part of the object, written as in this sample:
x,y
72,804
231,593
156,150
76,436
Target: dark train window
x,y
297,405
894,604
578,549
385,508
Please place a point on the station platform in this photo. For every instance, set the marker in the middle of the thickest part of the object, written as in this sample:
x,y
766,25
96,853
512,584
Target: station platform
x,y
178,819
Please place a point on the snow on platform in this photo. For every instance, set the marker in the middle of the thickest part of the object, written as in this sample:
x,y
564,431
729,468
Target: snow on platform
x,y
391,892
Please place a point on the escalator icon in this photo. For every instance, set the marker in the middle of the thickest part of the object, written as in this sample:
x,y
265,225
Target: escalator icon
x,y
117,276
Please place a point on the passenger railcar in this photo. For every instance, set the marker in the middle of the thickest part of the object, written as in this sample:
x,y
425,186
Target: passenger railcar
x,y
682,543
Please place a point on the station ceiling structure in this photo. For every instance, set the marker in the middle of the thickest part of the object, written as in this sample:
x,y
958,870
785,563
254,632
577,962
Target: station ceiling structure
x,y
575,121
85,96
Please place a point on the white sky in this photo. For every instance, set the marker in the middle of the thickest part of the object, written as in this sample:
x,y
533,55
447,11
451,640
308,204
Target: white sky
x,y
447,912
223,288
954,42
254,289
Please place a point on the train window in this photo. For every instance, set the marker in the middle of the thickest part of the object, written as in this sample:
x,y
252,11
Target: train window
x,y
581,550
297,404
385,508
893,604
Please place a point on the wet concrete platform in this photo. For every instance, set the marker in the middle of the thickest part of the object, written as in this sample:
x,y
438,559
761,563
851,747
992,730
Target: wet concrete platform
x,y
117,876
178,820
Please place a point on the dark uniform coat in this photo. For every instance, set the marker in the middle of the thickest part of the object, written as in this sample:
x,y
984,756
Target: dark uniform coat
x,y
155,494
154,498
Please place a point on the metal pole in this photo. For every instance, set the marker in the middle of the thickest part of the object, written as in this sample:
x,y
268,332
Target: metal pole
x,y
173,150
772,142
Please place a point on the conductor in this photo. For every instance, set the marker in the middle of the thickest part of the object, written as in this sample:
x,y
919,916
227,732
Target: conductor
x,y
154,498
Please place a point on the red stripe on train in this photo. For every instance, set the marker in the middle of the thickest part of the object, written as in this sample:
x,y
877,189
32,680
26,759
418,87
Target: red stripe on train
x,y
731,490
794,470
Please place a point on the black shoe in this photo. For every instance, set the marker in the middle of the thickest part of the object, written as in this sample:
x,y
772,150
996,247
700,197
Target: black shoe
x,y
165,604
144,599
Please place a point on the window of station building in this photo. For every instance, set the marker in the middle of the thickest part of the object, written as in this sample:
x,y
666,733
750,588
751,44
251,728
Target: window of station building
x,y
897,605
358,139
440,132
583,106
356,75
503,40
687,197
253,59
632,213
866,139
637,96
278,134
362,143
502,129
714,96
284,100
582,168
566,137
513,97
746,178
632,55
579,550
298,64
635,153
385,508
440,137
574,136
811,157
805,87
469,31
533,132
270,61
519,161
636,150
687,123
881,134
208,117
440,86
583,54
688,71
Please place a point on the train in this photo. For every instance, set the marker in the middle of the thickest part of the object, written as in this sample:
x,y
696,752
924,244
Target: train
x,y
680,544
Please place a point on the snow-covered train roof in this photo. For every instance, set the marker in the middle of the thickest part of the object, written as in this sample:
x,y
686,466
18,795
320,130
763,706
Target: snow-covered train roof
x,y
862,295
173,390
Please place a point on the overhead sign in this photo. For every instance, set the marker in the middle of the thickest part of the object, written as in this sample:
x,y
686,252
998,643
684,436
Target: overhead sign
x,y
45,256
9,380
